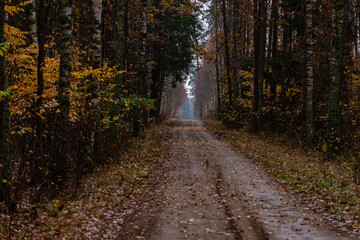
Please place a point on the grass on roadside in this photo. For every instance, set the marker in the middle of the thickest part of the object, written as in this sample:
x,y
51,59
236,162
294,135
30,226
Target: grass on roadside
x,y
324,185
97,209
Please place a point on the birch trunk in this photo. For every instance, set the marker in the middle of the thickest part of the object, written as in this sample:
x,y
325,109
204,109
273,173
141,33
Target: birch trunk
x,y
92,101
142,86
62,118
96,36
144,69
32,18
310,75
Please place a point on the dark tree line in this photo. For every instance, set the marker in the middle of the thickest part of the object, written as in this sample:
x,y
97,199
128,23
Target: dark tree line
x,y
78,80
287,66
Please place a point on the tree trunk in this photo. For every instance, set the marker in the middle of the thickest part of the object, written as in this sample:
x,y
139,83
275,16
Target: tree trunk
x,y
310,76
356,30
227,54
284,57
247,50
142,86
256,67
143,67
120,38
65,69
274,16
236,50
218,90
337,74
38,36
271,29
33,23
156,92
41,14
5,164
262,46
92,101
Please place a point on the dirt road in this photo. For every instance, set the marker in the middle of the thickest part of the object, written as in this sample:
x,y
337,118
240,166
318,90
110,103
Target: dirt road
x,y
205,190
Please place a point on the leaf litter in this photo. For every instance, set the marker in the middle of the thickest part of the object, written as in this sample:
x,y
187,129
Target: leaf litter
x,y
326,187
98,208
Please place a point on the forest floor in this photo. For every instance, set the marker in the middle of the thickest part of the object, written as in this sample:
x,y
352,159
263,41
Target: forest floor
x,y
182,182
99,206
205,189
326,186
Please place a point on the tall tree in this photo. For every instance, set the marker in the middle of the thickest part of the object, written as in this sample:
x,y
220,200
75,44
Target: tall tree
x,y
227,53
259,12
256,39
144,88
40,13
32,20
176,29
216,62
274,50
142,85
337,75
64,88
92,101
120,38
261,66
5,164
309,75
285,53
236,50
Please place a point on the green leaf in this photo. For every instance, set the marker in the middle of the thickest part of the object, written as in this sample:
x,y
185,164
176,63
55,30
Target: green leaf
x,y
5,93
4,47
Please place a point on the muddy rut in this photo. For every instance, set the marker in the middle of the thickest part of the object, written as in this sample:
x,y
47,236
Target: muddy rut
x,y
205,190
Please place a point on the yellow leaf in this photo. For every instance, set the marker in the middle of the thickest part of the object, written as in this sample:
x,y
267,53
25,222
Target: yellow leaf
x,y
6,181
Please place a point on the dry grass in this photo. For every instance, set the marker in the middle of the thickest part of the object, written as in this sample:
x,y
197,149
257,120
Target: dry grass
x,y
326,186
102,202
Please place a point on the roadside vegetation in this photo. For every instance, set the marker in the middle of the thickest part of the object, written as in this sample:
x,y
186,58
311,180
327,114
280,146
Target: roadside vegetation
x,y
100,204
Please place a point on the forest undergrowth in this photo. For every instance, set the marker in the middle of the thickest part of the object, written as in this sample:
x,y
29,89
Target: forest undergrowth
x,y
101,203
325,186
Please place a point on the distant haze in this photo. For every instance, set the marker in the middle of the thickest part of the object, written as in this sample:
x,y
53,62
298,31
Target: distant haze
x,y
188,112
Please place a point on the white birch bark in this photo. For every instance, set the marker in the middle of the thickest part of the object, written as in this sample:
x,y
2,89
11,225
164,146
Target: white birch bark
x,y
93,104
309,74
65,69
33,32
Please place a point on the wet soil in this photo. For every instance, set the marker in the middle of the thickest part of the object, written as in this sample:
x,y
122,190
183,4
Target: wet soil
x,y
206,190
